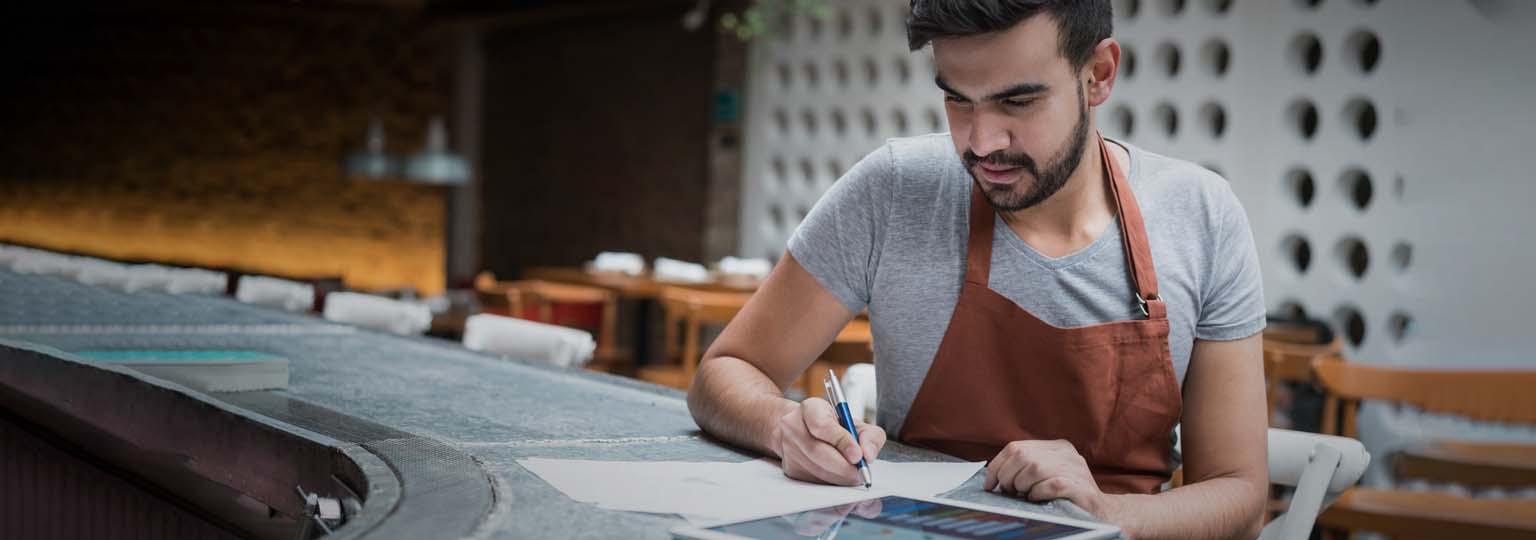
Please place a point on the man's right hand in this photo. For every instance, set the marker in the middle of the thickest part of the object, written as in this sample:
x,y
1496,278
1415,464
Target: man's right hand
x,y
815,447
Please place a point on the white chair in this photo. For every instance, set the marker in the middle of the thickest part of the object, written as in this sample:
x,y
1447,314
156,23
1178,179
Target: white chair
x,y
274,292
377,312
859,389
546,343
1320,467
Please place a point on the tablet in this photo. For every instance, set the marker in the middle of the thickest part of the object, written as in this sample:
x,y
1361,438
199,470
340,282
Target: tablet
x,y
899,518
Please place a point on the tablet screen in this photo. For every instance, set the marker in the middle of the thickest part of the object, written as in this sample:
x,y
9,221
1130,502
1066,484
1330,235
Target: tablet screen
x,y
895,517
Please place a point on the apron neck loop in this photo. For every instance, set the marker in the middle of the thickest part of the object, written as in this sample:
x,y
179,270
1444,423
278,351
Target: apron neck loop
x,y
1133,234
978,252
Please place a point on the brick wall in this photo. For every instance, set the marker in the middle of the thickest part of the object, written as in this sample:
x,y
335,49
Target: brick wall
x,y
212,136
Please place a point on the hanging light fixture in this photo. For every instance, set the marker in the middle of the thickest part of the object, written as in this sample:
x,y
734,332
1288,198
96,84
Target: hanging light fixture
x,y
435,164
371,163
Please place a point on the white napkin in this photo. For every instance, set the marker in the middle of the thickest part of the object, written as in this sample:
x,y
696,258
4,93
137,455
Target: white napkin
x,y
529,340
366,310
627,263
757,268
196,281
274,292
679,271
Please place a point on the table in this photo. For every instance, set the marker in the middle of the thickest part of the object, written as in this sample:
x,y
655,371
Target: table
x,y
496,410
641,287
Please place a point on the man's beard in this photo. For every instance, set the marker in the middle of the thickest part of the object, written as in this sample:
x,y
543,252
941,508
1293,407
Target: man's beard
x,y
1047,182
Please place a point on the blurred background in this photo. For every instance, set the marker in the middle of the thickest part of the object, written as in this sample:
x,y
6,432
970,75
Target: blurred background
x,y
631,169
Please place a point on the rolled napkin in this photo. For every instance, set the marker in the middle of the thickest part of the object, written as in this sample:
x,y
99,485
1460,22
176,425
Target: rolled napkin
x,y
105,274
546,343
147,277
680,272
377,312
45,262
196,281
757,268
274,292
626,263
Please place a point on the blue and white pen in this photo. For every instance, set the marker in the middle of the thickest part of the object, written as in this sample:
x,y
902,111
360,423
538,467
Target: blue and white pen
x,y
840,402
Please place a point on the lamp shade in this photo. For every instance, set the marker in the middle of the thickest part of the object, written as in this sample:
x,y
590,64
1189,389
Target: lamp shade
x,y
371,163
435,164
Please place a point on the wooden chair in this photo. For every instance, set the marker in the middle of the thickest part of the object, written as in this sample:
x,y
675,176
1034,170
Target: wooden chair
x,y
536,300
1490,395
1290,348
692,309
854,344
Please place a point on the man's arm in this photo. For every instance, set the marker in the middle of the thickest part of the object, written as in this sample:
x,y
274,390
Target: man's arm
x,y
1226,469
738,396
1225,444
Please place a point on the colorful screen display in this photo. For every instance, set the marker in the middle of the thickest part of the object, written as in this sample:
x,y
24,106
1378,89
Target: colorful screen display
x,y
900,518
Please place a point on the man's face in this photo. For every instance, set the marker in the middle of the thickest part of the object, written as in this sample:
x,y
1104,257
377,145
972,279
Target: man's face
x,y
1016,111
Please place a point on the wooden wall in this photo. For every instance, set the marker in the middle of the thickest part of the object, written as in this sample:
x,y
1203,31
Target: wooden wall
x,y
596,138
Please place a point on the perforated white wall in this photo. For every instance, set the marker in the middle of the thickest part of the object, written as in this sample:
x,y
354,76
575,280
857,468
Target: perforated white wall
x,y
1379,146
820,96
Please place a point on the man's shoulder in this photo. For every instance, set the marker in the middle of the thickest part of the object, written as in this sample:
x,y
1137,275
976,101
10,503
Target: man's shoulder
x,y
922,156
1173,188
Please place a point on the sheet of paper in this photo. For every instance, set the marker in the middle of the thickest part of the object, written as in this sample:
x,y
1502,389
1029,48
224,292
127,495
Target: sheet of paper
x,y
707,491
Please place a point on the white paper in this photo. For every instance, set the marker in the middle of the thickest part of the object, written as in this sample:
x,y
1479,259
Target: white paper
x,y
708,491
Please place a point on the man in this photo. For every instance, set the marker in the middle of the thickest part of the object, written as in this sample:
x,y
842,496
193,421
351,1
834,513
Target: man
x,y
1040,298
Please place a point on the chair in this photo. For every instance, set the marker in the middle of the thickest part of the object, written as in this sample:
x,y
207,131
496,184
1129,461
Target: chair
x,y
1290,348
1319,467
853,346
565,305
1489,395
692,309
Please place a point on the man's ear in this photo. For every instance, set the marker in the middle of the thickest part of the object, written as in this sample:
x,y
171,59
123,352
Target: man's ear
x,y
1100,72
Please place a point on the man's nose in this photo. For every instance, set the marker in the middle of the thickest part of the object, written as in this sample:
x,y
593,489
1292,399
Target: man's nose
x,y
988,134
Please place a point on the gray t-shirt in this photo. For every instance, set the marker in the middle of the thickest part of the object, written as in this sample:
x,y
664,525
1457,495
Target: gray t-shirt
x,y
890,235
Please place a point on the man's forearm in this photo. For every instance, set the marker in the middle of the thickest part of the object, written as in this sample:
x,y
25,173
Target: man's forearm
x,y
734,401
1216,509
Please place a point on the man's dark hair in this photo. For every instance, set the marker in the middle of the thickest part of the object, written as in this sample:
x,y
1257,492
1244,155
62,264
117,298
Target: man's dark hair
x,y
1082,23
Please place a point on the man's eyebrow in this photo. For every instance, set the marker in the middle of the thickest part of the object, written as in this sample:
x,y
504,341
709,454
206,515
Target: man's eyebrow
x,y
1017,90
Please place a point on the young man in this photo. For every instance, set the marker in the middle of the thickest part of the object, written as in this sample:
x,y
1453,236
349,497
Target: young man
x,y
1041,298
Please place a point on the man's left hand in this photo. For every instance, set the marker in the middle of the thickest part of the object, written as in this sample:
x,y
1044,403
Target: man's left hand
x,y
1044,470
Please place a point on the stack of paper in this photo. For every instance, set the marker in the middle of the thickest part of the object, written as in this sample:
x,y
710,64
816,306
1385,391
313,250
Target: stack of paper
x,y
710,491
204,371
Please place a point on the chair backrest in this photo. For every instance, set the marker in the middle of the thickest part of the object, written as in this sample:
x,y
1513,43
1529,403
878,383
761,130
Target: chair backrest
x,y
529,340
695,308
377,312
1320,467
1493,395
541,296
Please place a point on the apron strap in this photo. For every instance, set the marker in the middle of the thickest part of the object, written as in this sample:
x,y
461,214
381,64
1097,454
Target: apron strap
x,y
1133,233
978,247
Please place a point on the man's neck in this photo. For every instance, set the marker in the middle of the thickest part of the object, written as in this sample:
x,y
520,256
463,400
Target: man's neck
x,y
1073,217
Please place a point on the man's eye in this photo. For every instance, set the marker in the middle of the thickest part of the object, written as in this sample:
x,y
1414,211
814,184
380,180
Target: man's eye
x,y
1016,103
953,98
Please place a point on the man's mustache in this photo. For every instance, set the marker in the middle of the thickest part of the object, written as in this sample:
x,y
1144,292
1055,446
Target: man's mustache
x,y
1001,158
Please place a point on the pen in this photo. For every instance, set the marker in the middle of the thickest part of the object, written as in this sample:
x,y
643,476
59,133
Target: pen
x,y
840,402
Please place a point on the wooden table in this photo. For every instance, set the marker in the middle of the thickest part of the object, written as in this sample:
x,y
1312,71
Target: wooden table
x,y
641,287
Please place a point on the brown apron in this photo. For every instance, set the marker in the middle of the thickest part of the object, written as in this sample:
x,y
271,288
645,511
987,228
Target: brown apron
x,y
1002,374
